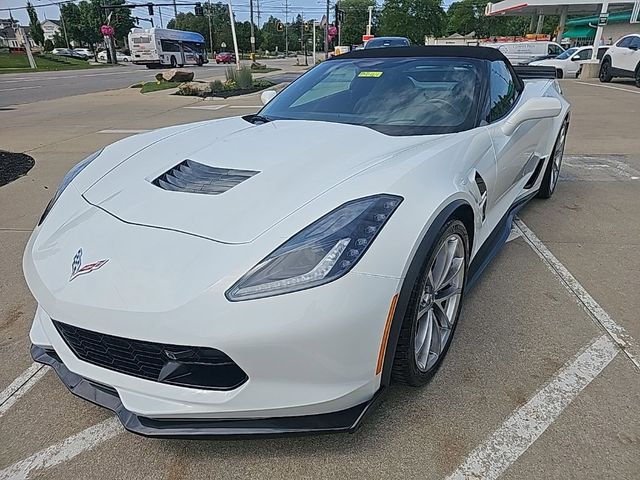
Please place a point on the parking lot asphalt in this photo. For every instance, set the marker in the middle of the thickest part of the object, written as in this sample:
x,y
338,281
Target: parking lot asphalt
x,y
535,385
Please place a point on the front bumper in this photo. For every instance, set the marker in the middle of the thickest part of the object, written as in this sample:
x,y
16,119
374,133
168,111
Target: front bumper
x,y
343,421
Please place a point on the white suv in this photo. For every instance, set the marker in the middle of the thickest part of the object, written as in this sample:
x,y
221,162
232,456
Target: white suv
x,y
622,60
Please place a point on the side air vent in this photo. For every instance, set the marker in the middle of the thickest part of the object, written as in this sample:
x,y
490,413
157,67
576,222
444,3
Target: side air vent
x,y
482,188
194,177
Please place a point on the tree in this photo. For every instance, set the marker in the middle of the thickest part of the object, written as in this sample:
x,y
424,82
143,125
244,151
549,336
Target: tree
x,y
412,18
48,45
35,29
272,39
468,16
356,17
83,21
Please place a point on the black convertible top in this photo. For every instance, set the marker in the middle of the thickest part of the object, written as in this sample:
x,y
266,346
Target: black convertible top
x,y
482,53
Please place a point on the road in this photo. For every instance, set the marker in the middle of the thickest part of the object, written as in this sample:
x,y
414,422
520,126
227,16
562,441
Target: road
x,y
22,88
533,386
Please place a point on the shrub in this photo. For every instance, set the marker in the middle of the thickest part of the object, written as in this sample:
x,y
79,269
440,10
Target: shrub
x,y
217,86
243,78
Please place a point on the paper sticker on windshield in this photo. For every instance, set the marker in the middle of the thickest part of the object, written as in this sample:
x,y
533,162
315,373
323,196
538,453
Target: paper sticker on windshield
x,y
370,74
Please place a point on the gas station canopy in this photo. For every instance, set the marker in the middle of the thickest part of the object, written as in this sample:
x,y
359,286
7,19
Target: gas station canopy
x,y
554,7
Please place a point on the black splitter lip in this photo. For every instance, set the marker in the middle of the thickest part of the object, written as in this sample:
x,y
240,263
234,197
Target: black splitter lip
x,y
345,421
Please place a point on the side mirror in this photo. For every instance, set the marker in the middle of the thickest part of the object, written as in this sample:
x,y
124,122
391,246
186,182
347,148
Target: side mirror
x,y
532,109
267,96
575,58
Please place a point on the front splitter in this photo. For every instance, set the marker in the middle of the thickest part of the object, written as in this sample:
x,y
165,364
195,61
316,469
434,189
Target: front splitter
x,y
335,422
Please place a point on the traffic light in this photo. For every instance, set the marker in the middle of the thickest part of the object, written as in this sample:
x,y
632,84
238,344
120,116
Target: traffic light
x,y
198,10
150,7
280,27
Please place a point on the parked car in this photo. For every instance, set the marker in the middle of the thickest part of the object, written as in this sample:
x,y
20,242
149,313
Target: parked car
x,y
84,51
67,52
384,42
622,60
521,53
197,291
120,57
225,57
569,63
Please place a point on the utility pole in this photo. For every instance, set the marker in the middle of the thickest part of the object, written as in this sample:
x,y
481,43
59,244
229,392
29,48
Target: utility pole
x,y
253,38
210,30
286,28
326,33
369,24
303,40
64,26
175,9
233,34
314,42
160,13
258,5
27,46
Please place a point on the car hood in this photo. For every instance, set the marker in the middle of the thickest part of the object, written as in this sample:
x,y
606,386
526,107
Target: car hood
x,y
296,161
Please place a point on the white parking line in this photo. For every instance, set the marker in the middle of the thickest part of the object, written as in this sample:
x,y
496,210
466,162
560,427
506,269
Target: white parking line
x,y
628,90
123,131
63,451
207,107
20,386
19,88
619,335
489,460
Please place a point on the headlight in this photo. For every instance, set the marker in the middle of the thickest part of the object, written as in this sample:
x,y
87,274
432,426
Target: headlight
x,y
71,174
322,252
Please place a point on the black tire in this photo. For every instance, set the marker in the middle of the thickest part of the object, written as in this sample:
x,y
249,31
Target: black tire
x,y
405,369
638,76
550,179
605,71
174,64
559,73
579,72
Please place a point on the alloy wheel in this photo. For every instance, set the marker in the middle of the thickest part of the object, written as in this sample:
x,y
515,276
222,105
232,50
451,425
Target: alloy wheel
x,y
439,303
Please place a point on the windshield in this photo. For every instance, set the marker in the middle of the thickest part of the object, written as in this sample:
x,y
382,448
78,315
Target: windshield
x,y
396,96
387,42
567,54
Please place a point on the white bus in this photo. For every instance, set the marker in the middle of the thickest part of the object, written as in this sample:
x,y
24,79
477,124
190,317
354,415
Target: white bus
x,y
155,47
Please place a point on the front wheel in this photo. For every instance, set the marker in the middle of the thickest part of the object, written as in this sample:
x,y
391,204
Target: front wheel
x,y
605,72
173,62
552,172
559,73
638,76
434,307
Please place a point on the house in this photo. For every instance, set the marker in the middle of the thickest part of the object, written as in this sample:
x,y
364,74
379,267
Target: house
x,y
51,28
11,37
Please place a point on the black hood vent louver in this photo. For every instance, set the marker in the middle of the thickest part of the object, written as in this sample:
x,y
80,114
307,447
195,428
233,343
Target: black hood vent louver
x,y
193,177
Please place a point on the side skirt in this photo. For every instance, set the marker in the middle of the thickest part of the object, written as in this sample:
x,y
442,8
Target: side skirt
x,y
494,243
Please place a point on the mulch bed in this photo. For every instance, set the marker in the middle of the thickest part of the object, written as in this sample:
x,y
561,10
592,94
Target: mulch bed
x,y
234,93
14,166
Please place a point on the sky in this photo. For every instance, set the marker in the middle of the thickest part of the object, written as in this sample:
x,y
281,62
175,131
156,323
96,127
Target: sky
x,y
310,8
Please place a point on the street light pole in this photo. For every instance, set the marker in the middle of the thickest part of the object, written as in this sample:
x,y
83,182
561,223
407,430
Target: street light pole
x,y
369,24
233,34
253,38
210,30
314,42
286,28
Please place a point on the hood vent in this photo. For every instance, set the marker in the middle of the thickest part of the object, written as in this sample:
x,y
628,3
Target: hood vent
x,y
194,177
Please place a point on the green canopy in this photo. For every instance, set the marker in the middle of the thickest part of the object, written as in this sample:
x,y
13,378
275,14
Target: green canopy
x,y
581,31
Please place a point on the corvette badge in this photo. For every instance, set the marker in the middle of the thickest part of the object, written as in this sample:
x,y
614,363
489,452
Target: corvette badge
x,y
78,269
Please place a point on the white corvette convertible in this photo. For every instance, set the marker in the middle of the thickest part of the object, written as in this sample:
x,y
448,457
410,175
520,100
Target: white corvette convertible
x,y
274,273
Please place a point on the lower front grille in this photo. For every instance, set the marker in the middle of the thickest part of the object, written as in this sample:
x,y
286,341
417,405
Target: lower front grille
x,y
186,366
